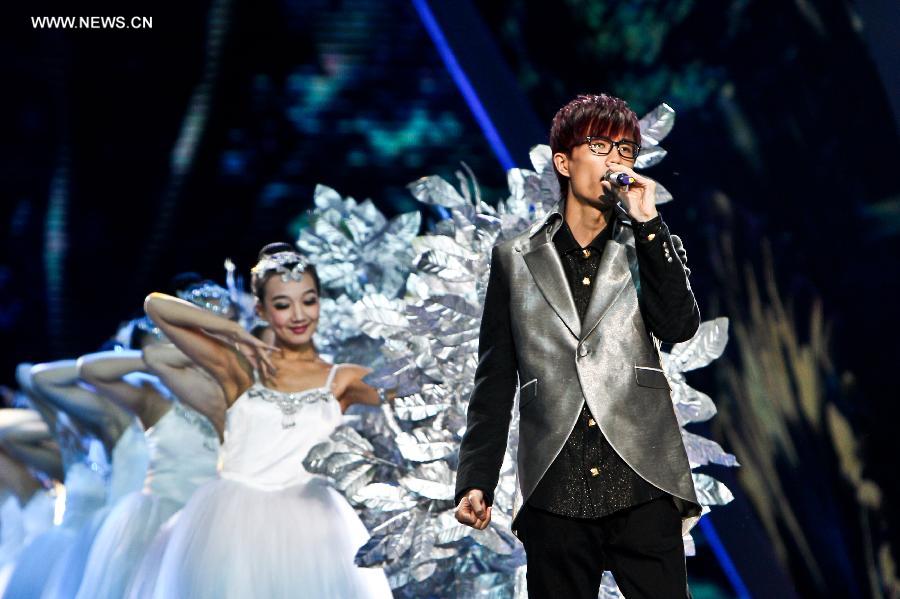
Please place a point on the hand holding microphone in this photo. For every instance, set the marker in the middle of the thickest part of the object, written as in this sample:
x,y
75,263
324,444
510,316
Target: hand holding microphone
x,y
637,193
619,179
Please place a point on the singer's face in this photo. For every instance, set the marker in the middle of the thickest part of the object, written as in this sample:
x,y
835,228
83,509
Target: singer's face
x,y
585,171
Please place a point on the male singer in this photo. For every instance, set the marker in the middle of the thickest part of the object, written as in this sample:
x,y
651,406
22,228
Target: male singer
x,y
570,309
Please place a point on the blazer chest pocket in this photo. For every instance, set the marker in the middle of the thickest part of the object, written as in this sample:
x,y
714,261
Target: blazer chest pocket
x,y
647,376
527,393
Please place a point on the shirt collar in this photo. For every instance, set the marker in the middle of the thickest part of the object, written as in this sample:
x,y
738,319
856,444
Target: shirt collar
x,y
566,242
553,220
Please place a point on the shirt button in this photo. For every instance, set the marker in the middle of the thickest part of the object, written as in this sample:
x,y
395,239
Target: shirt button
x,y
595,472
586,281
651,236
592,422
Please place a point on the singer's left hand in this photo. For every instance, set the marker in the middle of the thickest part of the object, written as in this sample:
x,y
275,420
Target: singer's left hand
x,y
639,200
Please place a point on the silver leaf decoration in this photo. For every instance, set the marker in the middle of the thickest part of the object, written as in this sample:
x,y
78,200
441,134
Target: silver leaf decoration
x,y
702,451
433,481
426,444
657,124
436,192
710,491
707,345
650,156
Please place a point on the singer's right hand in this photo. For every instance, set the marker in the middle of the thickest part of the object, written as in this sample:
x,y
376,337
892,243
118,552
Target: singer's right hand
x,y
472,510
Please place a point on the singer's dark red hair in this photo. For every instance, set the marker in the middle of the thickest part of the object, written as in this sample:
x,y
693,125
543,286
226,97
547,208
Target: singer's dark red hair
x,y
591,115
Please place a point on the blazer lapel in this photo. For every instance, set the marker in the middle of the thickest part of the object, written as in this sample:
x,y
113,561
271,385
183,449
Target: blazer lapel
x,y
612,276
546,268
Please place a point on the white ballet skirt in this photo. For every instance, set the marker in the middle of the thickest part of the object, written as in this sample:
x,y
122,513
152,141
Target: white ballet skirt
x,y
183,448
130,457
52,565
19,526
85,495
266,527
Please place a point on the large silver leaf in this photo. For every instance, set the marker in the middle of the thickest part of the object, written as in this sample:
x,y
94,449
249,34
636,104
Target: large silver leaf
x,y
346,458
432,481
379,316
389,540
403,376
650,156
702,451
656,124
426,444
325,197
705,346
444,245
382,497
435,191
663,195
710,491
608,587
691,405
449,530
432,401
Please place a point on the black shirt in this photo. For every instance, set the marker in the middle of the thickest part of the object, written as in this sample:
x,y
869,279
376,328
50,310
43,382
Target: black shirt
x,y
587,479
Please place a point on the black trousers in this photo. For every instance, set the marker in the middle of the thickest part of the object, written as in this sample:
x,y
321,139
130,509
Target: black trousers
x,y
641,546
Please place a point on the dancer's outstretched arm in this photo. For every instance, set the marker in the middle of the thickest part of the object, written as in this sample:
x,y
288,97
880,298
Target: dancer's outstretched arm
x,y
107,373
47,410
25,436
220,346
58,383
21,425
190,383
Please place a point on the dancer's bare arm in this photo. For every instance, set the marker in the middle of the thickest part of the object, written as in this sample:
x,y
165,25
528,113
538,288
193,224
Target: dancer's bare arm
x,y
107,373
190,384
220,346
58,383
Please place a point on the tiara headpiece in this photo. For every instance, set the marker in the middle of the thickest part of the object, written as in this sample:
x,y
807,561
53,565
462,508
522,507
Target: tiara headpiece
x,y
278,263
210,296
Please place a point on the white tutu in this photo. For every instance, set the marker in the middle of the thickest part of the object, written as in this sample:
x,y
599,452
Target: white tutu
x,y
19,526
183,453
53,564
266,528
296,542
38,563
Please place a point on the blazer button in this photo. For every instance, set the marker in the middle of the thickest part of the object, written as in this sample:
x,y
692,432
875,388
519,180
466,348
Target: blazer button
x,y
595,472
583,351
592,423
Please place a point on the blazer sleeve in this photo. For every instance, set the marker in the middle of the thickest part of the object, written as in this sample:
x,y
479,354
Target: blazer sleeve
x,y
490,405
667,301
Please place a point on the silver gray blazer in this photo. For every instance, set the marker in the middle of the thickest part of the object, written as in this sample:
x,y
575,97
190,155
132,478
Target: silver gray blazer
x,y
609,360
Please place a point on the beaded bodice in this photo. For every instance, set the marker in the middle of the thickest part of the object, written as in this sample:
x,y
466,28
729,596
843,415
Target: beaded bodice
x,y
289,403
268,433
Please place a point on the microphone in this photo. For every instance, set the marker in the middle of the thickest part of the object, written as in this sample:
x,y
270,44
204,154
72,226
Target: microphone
x,y
618,179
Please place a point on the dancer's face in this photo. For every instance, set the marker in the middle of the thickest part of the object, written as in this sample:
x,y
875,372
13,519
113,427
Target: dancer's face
x,y
291,308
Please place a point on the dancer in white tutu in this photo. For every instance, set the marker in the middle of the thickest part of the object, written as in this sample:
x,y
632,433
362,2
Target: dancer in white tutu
x,y
26,508
43,564
182,442
267,527
52,565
